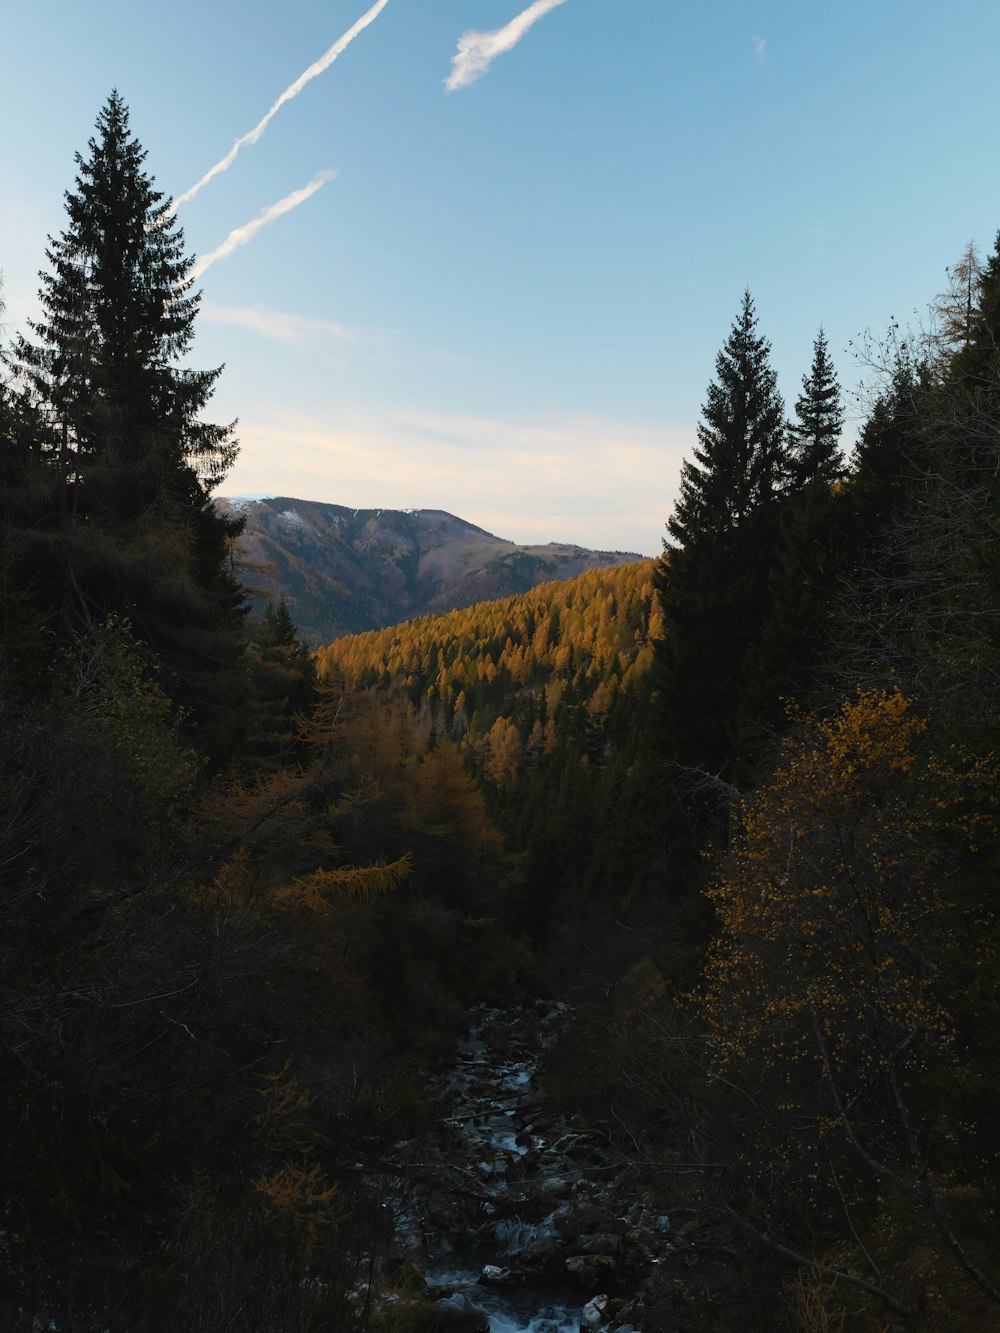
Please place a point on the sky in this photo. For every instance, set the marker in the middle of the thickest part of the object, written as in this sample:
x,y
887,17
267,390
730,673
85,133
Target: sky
x,y
481,255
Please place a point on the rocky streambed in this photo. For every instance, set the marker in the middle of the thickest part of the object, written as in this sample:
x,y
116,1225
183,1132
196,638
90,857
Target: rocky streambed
x,y
518,1221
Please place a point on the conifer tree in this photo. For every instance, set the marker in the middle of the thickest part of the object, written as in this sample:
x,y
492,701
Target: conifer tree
x,y
741,459
118,311
888,462
117,518
814,436
926,491
282,677
811,533
712,583
281,631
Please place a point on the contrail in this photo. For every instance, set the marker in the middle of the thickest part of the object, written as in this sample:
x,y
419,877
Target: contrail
x,y
477,50
241,235
293,90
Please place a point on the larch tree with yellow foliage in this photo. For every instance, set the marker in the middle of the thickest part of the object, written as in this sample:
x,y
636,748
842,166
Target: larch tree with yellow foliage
x,y
826,993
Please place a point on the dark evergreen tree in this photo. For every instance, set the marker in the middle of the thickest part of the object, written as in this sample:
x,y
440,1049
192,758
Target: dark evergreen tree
x,y
25,645
816,542
887,457
118,312
812,530
712,582
814,436
741,459
926,493
113,514
281,631
283,677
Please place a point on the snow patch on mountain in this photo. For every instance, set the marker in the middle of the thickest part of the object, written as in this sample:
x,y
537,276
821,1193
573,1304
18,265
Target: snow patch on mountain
x,y
237,503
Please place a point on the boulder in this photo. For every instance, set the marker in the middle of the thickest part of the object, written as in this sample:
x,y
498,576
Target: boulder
x,y
590,1272
494,1276
592,1314
601,1243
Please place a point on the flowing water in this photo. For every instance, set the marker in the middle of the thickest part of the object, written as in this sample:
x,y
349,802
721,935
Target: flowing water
x,y
493,1115
526,1310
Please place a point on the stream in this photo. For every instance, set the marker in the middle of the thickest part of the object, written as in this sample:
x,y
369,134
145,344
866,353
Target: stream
x,y
516,1224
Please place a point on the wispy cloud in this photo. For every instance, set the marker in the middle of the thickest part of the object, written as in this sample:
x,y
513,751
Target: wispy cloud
x,y
293,90
760,51
607,483
477,50
291,328
241,235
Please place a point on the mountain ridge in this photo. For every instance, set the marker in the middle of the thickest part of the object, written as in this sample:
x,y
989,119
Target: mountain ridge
x,y
343,570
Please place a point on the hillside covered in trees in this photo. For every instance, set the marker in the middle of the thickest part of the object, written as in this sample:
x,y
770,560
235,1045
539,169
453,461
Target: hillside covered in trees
x,y
740,806
545,695
343,570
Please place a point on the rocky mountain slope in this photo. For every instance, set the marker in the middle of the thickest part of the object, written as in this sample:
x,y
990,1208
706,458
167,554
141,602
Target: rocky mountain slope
x,y
343,570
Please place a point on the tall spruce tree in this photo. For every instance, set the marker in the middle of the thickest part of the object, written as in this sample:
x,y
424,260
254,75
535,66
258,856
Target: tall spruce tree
x,y
814,435
712,579
811,532
114,515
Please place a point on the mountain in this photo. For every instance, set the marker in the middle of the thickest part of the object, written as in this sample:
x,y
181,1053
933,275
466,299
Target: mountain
x,y
343,571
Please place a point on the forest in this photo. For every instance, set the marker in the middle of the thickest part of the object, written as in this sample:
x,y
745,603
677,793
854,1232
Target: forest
x,y
739,807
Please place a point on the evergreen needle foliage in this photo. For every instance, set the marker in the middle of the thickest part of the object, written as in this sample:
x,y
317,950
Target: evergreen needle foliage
x,y
108,496
712,579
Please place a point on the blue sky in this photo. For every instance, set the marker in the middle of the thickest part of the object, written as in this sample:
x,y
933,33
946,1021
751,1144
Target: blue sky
x,y
508,301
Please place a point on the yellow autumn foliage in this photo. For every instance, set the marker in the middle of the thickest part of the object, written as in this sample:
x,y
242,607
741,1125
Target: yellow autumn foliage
x,y
441,801
317,891
831,906
828,996
300,1200
604,616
